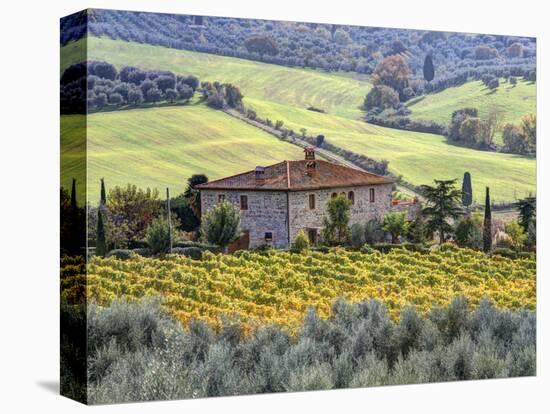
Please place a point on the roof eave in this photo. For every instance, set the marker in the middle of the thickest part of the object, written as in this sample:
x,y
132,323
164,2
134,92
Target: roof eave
x,y
294,189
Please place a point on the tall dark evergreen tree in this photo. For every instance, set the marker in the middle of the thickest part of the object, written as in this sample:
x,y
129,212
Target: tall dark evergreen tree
x,y
192,194
527,209
443,204
429,70
487,223
103,197
74,234
467,190
100,247
74,205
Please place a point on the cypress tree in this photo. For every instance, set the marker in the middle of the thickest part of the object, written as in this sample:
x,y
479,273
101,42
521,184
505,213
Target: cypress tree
x,y
103,197
100,248
74,234
487,223
467,190
527,209
429,71
74,205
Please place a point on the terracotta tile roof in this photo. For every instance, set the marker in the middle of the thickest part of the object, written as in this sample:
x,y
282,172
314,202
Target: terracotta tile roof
x,y
296,176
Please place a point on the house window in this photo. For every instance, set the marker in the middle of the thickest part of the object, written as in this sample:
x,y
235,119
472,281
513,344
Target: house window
x,y
268,237
312,201
221,197
334,195
244,202
371,195
351,197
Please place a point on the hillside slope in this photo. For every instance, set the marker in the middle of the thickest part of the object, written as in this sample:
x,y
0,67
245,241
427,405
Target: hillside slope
x,y
419,158
513,101
283,93
340,94
162,147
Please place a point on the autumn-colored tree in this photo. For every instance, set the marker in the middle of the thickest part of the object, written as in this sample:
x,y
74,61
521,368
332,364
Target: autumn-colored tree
x,y
529,131
132,208
392,71
262,45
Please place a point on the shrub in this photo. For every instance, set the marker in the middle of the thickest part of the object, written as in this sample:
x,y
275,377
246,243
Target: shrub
x,y
516,234
357,235
381,96
468,233
143,251
221,225
301,242
374,233
396,224
367,249
493,83
192,252
158,235
122,254
138,352
504,252
115,99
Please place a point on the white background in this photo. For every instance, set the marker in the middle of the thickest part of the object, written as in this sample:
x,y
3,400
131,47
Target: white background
x,y
29,188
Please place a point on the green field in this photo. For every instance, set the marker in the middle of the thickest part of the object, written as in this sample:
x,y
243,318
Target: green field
x,y
513,101
339,94
162,147
283,93
419,158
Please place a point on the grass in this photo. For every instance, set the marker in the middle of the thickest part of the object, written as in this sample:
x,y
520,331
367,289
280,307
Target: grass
x,y
162,147
284,93
513,101
340,94
419,158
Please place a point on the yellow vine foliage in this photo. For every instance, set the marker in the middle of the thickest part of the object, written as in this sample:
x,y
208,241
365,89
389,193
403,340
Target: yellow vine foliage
x,y
277,287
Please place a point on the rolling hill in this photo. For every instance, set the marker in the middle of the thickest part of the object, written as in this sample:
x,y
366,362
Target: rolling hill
x,y
162,147
418,157
340,94
513,101
284,93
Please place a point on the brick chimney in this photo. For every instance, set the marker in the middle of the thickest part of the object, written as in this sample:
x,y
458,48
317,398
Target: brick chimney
x,y
310,153
310,160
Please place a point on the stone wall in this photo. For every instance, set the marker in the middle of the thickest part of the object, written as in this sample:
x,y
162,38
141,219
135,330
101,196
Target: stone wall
x,y
267,212
302,217
411,208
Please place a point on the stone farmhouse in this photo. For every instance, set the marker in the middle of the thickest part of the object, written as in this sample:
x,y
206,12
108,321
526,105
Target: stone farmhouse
x,y
277,201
